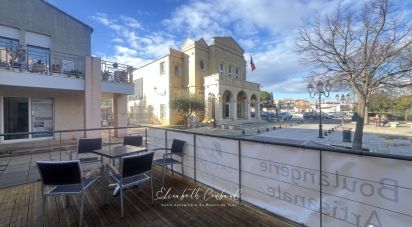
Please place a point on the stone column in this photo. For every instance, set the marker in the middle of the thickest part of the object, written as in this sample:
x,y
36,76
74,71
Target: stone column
x,y
218,109
233,113
248,110
92,96
257,109
120,114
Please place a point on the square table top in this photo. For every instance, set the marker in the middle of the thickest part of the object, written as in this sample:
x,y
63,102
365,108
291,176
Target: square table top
x,y
117,151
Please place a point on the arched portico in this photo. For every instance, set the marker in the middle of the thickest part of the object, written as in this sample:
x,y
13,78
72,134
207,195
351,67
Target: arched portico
x,y
227,98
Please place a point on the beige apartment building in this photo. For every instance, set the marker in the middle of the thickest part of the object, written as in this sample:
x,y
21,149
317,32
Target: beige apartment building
x,y
217,72
48,78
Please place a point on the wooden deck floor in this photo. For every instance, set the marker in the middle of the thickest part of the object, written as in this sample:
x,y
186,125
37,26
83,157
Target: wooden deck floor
x,y
21,206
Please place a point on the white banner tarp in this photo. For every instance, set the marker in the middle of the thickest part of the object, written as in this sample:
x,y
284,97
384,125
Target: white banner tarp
x,y
356,190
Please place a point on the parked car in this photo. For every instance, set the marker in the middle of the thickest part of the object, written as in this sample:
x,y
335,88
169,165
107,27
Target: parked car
x,y
309,115
327,116
338,114
284,116
264,115
297,116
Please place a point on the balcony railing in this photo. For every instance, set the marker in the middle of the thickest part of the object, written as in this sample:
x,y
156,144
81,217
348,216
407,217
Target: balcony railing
x,y
22,58
116,72
309,184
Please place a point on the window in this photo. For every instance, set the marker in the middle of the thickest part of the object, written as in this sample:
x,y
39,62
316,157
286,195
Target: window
x,y
162,67
162,111
230,71
9,44
26,114
67,65
177,70
226,107
202,65
221,68
9,52
237,72
16,116
106,106
42,116
38,58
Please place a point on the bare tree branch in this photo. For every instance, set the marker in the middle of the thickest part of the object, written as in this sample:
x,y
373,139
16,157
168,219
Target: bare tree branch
x,y
362,50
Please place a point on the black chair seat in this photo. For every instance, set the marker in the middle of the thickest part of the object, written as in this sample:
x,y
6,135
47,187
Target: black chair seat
x,y
132,180
74,188
63,178
166,161
175,150
134,169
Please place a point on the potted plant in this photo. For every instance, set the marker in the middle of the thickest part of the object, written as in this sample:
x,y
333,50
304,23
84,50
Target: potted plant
x,y
105,75
56,68
18,57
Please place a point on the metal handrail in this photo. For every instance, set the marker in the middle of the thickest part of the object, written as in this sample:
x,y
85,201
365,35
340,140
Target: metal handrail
x,y
216,185
68,130
116,72
22,58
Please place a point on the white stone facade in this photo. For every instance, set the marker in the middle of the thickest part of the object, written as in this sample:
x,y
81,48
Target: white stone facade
x,y
216,72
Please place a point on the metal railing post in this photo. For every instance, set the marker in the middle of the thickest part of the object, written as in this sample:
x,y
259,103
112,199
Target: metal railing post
x,y
145,134
110,136
194,157
240,171
60,144
320,187
165,138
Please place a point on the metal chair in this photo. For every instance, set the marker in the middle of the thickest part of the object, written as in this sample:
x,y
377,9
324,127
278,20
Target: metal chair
x,y
177,150
133,140
64,178
134,170
136,141
85,145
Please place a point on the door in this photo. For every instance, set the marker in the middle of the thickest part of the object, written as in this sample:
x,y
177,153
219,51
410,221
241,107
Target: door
x,y
16,116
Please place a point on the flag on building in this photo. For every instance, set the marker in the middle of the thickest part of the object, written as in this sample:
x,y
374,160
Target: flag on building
x,y
252,65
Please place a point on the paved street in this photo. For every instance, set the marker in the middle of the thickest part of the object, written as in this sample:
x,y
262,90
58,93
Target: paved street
x,y
376,139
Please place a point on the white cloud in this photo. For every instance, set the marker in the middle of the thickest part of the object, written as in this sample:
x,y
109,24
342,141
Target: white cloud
x,y
134,44
265,29
117,40
121,50
131,22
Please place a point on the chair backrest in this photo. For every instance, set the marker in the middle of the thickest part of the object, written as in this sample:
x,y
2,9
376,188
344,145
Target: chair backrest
x,y
60,172
88,144
136,164
177,146
133,140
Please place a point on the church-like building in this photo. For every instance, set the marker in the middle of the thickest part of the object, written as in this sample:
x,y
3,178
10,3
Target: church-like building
x,y
216,72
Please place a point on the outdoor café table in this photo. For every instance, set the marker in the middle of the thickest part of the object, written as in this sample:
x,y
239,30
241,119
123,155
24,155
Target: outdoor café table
x,y
112,152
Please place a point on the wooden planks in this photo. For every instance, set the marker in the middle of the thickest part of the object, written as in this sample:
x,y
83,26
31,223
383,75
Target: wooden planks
x,y
7,206
21,206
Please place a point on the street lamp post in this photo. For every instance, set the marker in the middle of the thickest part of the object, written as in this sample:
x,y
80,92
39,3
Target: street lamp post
x,y
320,89
213,99
342,100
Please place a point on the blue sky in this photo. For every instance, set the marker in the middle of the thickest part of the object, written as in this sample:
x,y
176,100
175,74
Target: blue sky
x,y
135,32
